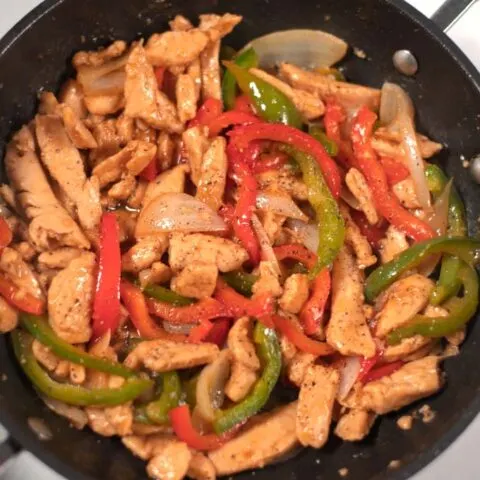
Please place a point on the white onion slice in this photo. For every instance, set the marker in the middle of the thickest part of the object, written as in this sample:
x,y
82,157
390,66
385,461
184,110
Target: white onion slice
x,y
76,415
307,233
302,47
210,386
178,328
348,376
396,113
266,248
177,212
280,204
110,84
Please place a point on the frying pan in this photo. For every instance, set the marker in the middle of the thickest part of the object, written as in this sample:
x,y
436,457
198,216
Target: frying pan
x,y
35,54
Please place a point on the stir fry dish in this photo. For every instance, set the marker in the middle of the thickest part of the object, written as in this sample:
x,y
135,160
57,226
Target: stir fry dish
x,y
188,230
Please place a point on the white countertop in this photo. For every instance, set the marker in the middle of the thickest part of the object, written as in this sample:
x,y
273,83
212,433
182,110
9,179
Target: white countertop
x,y
460,460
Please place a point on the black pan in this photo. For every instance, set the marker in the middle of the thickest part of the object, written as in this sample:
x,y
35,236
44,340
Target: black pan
x,y
446,92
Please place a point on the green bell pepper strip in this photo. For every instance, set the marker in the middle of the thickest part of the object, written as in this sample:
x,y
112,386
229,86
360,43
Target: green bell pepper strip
x,y
330,221
268,349
241,282
460,311
273,105
329,145
156,412
72,394
39,328
465,248
448,282
246,59
166,295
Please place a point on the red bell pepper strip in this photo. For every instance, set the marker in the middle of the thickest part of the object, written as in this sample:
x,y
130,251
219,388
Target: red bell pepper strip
x,y
367,364
237,305
205,309
395,170
243,104
182,425
200,332
373,233
299,339
332,120
20,299
311,316
218,334
150,172
296,251
242,136
159,75
270,161
383,371
230,118
386,203
208,112
136,305
5,234
106,304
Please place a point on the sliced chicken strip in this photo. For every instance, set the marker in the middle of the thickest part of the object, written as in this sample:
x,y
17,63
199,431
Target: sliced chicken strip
x,y
77,131
164,355
97,58
171,181
165,151
358,185
201,468
347,94
394,243
268,281
59,258
401,302
180,24
143,98
241,344
196,280
71,95
315,405
213,174
123,189
195,143
355,425
110,421
50,225
308,104
295,293
70,300
268,437
144,253
8,317
298,366
218,26
405,192
187,98
240,382
283,181
104,104
65,165
347,330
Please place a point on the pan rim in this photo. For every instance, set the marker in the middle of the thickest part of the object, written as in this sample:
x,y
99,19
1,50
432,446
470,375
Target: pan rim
x,y
19,433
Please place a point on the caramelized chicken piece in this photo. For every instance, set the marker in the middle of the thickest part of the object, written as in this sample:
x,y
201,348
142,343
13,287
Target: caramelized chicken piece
x,y
143,98
358,185
50,224
76,129
355,425
196,280
241,344
65,165
158,273
268,437
165,151
315,405
394,243
165,355
401,302
187,98
347,94
268,280
171,181
295,293
347,330
415,380
195,143
308,104
59,258
359,243
218,26
285,181
8,317
99,57
240,382
104,104
180,24
110,421
213,174
298,366
20,273
71,95
48,103
123,189
70,298
144,253
405,192
198,247
201,468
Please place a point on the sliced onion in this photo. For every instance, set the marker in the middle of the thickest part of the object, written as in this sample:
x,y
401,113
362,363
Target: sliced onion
x,y
40,428
280,204
396,113
178,328
307,233
302,47
266,248
76,415
211,384
177,212
348,375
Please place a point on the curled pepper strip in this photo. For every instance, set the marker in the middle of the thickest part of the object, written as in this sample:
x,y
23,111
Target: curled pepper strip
x,y
242,136
268,349
465,248
242,282
460,311
72,394
17,298
208,112
228,119
40,329
385,202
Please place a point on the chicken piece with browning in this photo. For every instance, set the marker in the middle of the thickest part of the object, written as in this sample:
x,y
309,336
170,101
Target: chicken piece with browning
x,y
394,243
144,253
298,366
240,382
355,425
241,344
295,293
76,129
268,281
195,144
171,181
196,280
8,317
357,184
59,258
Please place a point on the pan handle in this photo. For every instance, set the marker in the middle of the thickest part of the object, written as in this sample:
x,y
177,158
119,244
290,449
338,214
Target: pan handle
x,y
450,12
